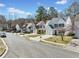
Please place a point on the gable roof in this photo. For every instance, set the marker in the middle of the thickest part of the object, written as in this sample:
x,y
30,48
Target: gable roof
x,y
68,22
57,20
41,23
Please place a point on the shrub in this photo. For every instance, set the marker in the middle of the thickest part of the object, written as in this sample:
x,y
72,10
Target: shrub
x,y
75,37
41,31
71,34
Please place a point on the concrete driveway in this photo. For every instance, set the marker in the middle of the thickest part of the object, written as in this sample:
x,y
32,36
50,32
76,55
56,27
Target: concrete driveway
x,y
20,47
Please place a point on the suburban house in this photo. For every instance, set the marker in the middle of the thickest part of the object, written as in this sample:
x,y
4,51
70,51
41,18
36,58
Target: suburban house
x,y
23,28
41,27
53,26
68,26
17,28
31,28
76,25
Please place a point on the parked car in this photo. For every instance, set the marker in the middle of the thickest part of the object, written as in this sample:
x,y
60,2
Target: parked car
x,y
2,35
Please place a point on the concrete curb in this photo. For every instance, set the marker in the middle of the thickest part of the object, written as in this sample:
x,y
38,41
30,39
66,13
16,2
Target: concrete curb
x,y
6,49
56,44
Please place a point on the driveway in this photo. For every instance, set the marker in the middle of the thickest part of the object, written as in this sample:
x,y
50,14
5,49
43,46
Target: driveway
x,y
20,47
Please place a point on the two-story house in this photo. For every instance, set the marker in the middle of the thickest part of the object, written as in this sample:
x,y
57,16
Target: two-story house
x,y
53,26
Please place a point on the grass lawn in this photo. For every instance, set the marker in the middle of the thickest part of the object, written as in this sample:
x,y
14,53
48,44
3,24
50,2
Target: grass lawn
x,y
34,35
58,39
2,47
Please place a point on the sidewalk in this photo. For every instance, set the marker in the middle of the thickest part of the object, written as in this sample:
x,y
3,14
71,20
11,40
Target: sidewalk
x,y
42,37
71,48
73,45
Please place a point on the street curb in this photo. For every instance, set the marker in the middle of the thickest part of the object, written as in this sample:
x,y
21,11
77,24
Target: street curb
x,y
56,44
6,49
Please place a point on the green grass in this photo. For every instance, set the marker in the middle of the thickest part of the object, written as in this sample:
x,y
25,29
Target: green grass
x,y
2,47
1,50
33,35
58,39
21,33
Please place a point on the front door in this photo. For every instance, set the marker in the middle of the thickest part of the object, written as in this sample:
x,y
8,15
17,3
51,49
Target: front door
x,y
55,32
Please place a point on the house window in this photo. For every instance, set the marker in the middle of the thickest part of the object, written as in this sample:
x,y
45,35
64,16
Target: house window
x,y
55,25
51,26
61,25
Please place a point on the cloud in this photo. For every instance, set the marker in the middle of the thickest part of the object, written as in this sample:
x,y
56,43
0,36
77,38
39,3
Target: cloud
x,y
49,8
28,13
59,10
19,12
14,10
61,2
2,5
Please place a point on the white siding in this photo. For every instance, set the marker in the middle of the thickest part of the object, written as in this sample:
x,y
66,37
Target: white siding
x,y
49,30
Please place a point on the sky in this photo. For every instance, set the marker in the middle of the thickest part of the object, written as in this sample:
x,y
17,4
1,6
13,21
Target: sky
x,y
23,8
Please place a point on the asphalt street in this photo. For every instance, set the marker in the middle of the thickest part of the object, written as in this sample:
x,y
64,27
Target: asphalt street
x,y
20,47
